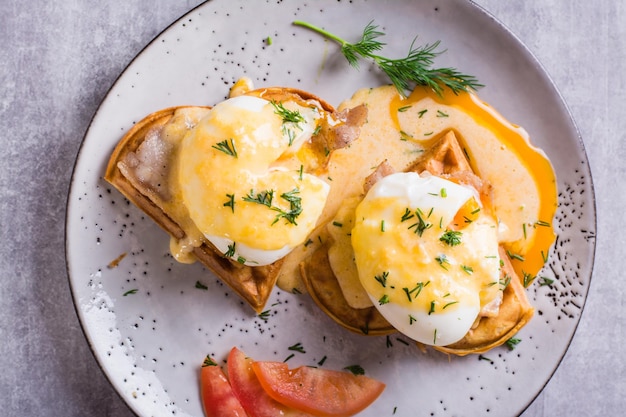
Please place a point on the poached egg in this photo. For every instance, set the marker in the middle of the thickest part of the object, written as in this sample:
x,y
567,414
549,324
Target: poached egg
x,y
427,255
242,180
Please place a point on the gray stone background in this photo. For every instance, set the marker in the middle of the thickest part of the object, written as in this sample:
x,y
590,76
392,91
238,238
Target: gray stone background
x,y
59,58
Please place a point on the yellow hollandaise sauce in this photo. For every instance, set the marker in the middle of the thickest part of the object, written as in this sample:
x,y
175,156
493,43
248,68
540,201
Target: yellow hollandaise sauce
x,y
241,180
523,180
428,273
456,283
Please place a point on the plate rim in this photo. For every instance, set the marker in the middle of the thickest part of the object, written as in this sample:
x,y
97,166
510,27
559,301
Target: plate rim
x,y
541,70
71,187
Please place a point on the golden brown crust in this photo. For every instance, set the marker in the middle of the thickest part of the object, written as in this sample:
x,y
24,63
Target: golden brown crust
x,y
279,94
515,311
444,157
253,284
129,144
324,288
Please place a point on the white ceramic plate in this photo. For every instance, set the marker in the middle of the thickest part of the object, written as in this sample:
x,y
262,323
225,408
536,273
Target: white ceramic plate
x,y
150,342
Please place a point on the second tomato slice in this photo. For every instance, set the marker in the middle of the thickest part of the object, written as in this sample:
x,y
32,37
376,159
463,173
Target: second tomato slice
x,y
318,391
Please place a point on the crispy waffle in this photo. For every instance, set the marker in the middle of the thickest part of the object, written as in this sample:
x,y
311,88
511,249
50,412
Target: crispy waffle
x,y
253,284
447,159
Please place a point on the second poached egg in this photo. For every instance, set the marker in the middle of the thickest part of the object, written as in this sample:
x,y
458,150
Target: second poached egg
x,y
426,255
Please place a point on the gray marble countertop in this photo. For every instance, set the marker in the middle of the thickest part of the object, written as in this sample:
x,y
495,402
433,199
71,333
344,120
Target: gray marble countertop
x,y
59,58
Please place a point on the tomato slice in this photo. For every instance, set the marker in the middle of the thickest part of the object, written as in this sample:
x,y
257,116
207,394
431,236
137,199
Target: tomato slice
x,y
318,391
218,398
249,391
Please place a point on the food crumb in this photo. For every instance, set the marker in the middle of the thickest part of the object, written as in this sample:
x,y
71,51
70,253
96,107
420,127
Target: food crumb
x,y
115,262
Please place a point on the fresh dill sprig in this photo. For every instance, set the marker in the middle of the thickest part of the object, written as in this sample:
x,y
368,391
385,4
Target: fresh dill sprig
x,y
405,73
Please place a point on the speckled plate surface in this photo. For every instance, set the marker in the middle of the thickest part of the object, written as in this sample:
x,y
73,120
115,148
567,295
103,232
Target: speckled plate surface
x,y
150,326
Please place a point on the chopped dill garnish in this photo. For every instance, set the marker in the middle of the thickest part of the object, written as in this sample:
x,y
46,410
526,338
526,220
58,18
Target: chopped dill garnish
x,y
468,269
208,361
382,278
442,260
543,281
421,225
528,279
355,369
451,237
295,207
227,146
264,197
297,348
288,116
230,202
264,315
231,251
513,342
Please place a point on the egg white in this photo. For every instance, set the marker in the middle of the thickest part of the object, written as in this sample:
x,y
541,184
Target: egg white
x,y
434,329
447,324
253,125
248,255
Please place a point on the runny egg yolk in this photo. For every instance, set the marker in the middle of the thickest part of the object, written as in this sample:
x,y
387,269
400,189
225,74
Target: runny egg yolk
x,y
500,152
428,275
242,182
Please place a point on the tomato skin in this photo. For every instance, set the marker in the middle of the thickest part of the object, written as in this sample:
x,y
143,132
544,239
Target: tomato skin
x,y
249,391
317,391
218,398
